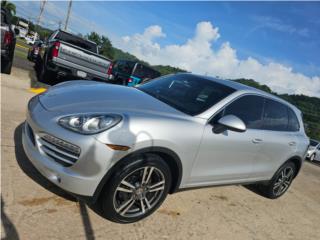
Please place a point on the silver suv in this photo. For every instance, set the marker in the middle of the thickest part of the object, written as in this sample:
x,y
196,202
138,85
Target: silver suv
x,y
125,149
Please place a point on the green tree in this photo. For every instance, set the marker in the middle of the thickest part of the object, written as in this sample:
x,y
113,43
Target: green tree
x,y
104,44
9,6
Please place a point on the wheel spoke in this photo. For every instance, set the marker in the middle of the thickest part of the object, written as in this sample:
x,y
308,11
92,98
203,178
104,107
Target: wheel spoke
x,y
289,173
147,202
157,184
157,189
145,171
125,204
121,189
127,208
149,175
142,206
129,185
276,185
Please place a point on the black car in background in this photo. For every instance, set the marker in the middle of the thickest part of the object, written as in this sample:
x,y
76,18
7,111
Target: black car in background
x,y
131,73
34,53
8,41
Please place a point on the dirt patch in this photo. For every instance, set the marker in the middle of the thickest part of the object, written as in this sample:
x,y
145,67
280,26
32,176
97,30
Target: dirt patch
x,y
169,212
39,201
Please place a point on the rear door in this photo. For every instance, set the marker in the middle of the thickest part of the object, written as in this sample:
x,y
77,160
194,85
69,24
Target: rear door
x,y
278,141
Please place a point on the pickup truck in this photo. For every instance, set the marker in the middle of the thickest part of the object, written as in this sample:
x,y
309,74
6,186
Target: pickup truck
x,y
70,56
8,41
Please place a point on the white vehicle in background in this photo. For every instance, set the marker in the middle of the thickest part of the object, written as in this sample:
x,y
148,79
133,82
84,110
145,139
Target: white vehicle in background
x,y
30,41
314,151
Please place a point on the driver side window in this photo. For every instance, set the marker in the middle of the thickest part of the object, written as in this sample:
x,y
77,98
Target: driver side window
x,y
248,108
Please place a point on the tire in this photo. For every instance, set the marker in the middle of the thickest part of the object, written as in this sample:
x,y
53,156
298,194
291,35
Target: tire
x,y
312,157
6,68
280,182
128,203
46,76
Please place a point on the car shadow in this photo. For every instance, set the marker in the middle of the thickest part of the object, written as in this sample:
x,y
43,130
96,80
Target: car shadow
x,y
8,227
27,167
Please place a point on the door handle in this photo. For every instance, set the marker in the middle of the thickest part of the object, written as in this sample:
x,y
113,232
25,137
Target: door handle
x,y
292,143
257,140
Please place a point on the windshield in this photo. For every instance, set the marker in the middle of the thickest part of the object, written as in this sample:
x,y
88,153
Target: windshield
x,y
187,93
313,143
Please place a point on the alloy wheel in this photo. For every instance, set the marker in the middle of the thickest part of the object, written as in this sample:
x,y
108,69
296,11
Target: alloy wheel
x,y
139,192
283,181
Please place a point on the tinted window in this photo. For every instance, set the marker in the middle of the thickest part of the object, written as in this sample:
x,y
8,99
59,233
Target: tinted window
x,y
145,72
77,41
275,116
248,109
124,66
313,143
187,93
293,124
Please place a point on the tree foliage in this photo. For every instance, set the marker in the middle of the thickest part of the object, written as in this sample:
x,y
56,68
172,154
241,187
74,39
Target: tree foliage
x,y
9,6
104,44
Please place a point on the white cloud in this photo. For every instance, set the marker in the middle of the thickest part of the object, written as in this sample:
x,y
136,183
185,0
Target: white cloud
x,y
197,55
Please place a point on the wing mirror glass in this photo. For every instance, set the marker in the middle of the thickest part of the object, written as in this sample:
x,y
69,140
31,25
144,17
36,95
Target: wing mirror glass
x,y
229,122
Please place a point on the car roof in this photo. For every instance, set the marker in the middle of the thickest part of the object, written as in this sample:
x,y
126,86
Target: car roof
x,y
241,87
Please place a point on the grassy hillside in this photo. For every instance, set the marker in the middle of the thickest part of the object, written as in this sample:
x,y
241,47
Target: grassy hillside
x,y
310,107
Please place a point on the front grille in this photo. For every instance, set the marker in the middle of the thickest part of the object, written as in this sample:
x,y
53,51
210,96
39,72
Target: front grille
x,y
59,150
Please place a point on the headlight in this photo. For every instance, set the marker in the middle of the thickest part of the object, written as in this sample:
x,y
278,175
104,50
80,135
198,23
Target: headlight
x,y
90,124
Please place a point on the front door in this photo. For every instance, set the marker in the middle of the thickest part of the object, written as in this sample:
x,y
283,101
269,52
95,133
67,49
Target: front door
x,y
229,157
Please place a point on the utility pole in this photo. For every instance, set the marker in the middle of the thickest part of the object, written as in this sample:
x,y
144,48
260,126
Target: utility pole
x,y
43,3
68,15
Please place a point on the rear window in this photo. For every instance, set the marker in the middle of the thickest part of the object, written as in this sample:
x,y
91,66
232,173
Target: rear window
x,y
275,116
124,67
293,125
145,72
77,41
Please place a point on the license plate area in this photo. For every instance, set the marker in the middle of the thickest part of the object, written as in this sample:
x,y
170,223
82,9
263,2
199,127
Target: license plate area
x,y
81,74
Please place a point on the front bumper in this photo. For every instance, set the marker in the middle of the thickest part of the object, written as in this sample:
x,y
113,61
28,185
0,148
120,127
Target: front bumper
x,y
83,177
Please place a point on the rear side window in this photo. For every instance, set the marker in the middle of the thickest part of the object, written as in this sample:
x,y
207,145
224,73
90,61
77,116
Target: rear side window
x,y
145,72
293,125
248,109
275,116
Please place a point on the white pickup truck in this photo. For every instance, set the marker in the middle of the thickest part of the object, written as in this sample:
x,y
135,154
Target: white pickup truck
x,y
68,55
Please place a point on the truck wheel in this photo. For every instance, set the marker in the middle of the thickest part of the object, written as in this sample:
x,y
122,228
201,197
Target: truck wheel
x,y
46,76
6,67
280,182
136,190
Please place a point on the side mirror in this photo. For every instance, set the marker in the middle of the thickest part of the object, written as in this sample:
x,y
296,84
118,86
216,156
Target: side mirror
x,y
229,122
16,31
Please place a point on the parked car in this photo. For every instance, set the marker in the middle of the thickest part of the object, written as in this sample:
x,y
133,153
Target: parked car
x,y
127,148
30,40
8,41
34,53
313,150
68,55
131,73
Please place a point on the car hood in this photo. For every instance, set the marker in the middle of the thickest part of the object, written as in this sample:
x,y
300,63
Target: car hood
x,y
90,96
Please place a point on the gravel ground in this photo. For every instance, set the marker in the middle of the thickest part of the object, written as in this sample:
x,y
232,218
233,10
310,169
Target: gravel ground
x,y
33,208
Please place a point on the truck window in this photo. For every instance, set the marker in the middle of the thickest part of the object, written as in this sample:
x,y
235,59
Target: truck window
x,y
77,41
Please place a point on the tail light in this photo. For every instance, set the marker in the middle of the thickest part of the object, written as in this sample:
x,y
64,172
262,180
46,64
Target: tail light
x,y
109,72
130,80
55,49
8,38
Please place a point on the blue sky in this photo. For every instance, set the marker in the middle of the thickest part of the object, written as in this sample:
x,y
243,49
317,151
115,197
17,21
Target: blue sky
x,y
287,33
